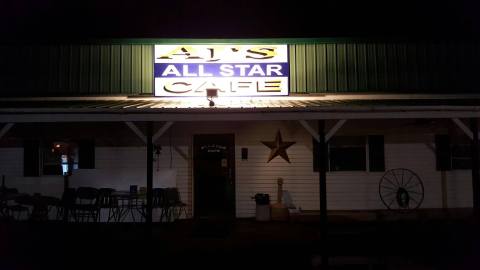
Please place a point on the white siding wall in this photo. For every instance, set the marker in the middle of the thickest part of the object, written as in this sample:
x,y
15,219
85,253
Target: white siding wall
x,y
119,167
115,168
421,160
256,175
346,190
459,187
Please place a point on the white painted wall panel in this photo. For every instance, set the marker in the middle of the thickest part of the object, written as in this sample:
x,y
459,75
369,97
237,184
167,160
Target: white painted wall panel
x,y
119,167
116,168
459,188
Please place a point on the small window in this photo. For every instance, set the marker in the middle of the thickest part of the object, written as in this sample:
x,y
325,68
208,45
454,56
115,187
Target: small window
x,y
347,153
453,152
461,156
376,153
52,153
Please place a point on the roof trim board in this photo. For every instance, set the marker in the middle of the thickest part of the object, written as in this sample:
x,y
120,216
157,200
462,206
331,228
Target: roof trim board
x,y
49,117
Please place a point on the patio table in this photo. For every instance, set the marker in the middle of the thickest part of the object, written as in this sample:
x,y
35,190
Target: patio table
x,y
41,205
8,204
129,202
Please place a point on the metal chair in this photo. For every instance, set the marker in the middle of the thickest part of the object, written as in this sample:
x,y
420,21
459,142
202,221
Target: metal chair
x,y
66,202
86,206
3,208
175,203
106,200
136,203
14,211
3,203
159,201
39,204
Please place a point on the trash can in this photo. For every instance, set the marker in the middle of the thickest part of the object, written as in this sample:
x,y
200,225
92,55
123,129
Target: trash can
x,y
262,209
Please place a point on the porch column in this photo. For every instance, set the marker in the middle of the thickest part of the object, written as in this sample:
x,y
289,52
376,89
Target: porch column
x,y
475,172
66,209
322,178
149,136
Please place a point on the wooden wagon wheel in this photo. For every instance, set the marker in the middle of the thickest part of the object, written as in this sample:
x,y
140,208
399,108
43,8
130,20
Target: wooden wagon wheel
x,y
401,189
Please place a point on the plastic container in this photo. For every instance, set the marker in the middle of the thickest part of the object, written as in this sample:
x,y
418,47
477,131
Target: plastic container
x,y
262,212
262,209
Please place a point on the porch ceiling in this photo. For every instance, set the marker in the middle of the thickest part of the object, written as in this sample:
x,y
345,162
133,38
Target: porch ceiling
x,y
123,108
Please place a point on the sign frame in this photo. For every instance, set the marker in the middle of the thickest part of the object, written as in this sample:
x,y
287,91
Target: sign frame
x,y
255,70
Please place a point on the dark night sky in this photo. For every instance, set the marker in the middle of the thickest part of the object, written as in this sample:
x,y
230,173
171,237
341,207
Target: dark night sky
x,y
63,19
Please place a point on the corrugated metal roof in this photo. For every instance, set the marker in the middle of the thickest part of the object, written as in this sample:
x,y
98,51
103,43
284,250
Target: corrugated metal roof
x,y
318,103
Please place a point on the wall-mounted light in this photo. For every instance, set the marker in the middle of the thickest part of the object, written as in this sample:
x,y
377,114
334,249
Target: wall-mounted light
x,y
157,152
59,147
212,93
158,149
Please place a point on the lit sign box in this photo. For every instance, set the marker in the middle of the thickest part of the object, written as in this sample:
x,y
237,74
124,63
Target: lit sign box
x,y
235,70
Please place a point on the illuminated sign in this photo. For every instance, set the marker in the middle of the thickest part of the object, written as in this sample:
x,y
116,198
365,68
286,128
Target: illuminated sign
x,y
235,70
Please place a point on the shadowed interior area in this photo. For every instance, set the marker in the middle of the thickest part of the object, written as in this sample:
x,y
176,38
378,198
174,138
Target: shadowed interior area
x,y
356,240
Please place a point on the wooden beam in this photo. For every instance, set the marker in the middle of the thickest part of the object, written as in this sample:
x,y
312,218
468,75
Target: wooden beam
x,y
443,176
310,130
162,130
334,129
149,211
475,172
5,129
66,208
52,117
330,133
322,178
463,127
137,131
431,147
180,152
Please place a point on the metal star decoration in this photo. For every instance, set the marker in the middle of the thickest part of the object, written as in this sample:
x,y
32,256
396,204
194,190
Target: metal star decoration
x,y
278,148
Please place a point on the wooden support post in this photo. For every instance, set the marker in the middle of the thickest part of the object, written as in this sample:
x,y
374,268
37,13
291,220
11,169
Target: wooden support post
x,y
443,175
322,178
475,172
66,205
148,216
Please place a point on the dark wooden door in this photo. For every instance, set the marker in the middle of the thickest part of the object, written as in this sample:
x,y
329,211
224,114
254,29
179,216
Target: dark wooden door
x,y
214,176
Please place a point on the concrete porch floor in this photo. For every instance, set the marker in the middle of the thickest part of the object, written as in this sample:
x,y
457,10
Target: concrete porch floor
x,y
427,239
